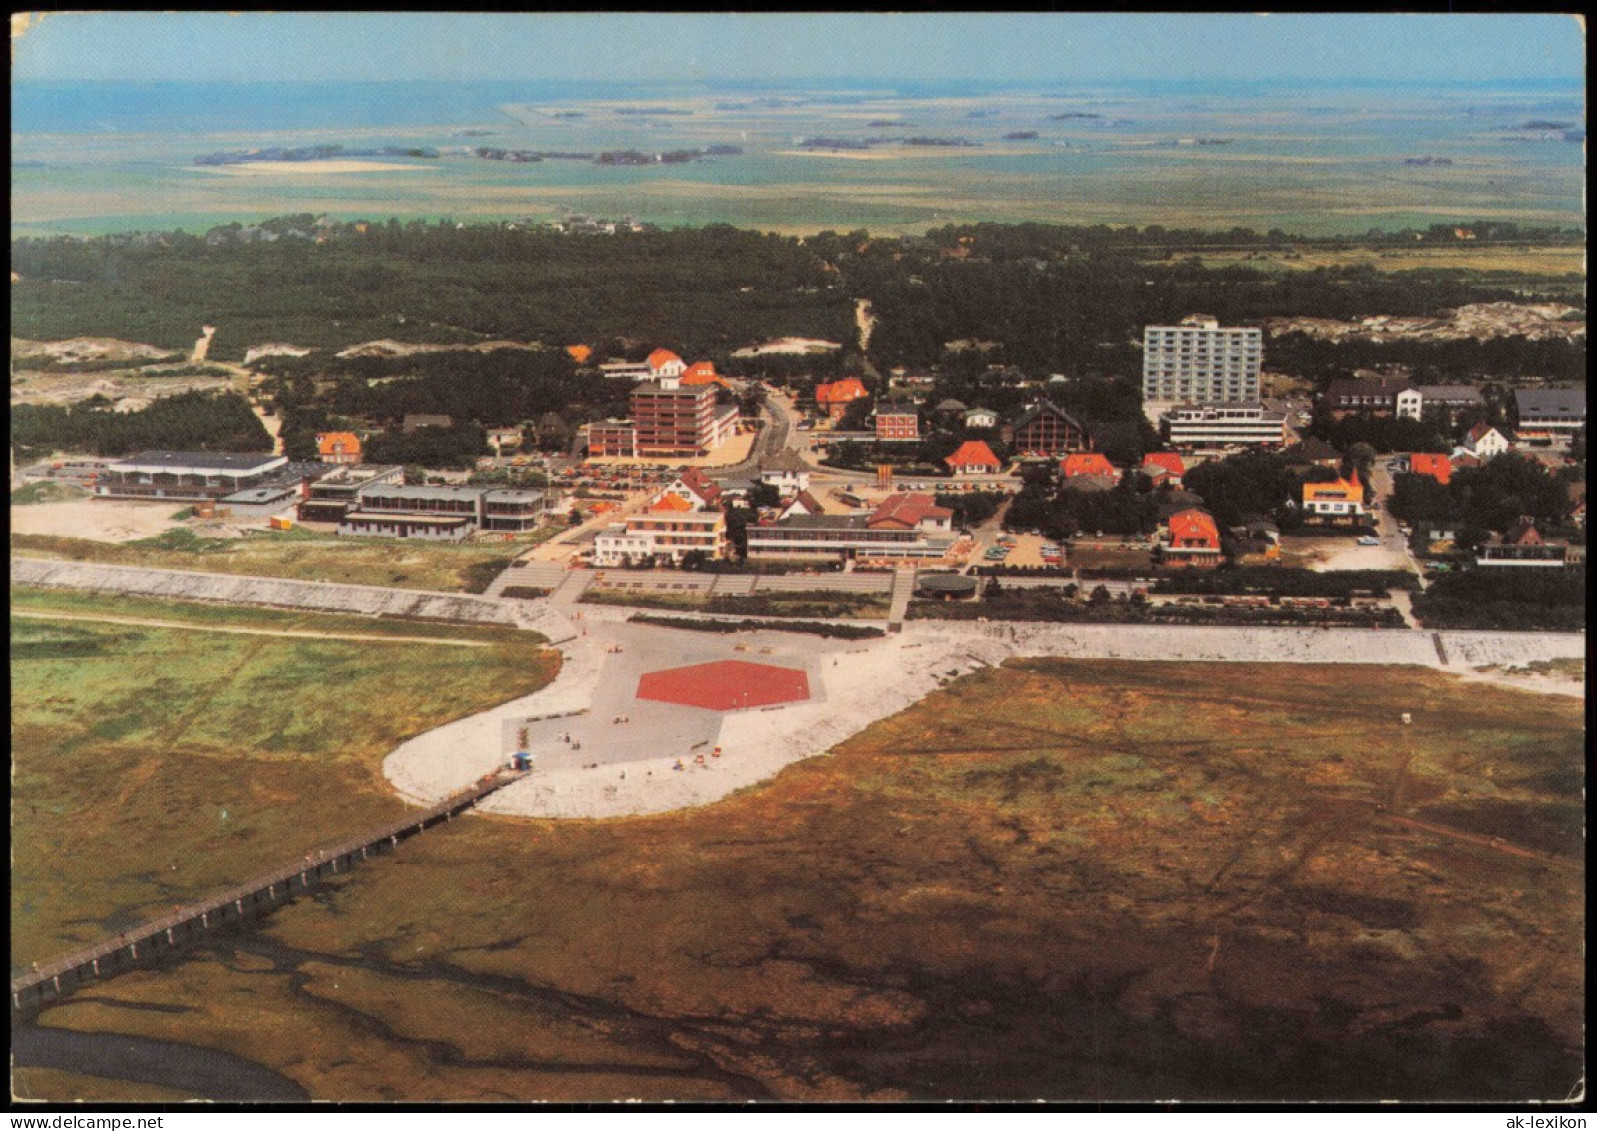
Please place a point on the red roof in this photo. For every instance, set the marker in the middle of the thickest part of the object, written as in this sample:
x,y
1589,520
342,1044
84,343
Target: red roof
x,y
1168,462
1086,463
1337,490
700,373
700,484
659,359
1438,467
973,453
670,502
906,511
338,443
1194,527
840,392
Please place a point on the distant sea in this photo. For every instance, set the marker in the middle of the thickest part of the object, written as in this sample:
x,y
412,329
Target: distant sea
x,y
98,157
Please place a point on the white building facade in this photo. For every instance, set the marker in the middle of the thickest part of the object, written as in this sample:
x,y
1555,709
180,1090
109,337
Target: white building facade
x,y
1201,362
1223,425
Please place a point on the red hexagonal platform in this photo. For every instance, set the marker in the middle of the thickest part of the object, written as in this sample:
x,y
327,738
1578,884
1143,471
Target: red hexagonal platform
x,y
726,685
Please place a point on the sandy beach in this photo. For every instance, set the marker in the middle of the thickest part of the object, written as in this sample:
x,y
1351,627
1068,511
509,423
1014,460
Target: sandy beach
x,y
856,683
307,168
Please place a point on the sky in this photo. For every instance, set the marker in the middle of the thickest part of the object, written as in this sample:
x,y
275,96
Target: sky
x,y
1009,47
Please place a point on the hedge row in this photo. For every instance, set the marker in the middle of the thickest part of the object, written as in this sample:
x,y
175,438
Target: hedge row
x,y
813,628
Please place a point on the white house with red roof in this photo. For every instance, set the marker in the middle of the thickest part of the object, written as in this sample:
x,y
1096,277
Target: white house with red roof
x,y
1485,442
664,363
974,457
803,504
695,487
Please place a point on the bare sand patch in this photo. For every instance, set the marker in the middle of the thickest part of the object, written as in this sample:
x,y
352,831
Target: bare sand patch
x,y
99,520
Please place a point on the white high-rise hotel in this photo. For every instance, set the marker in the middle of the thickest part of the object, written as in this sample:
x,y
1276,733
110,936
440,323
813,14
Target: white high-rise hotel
x,y
1201,362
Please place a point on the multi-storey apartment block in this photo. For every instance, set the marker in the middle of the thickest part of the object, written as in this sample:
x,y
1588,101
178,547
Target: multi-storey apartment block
x,y
1200,361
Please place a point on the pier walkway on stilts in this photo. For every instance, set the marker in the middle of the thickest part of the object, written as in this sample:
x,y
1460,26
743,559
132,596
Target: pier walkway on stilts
x,y
50,981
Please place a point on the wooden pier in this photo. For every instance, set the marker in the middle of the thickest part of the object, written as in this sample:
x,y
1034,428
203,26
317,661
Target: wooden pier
x,y
48,982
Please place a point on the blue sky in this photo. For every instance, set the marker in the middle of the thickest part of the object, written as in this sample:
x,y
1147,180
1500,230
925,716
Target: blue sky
x,y
1031,47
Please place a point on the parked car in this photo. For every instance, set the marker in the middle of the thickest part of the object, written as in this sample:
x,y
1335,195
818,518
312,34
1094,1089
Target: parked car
x,y
1369,540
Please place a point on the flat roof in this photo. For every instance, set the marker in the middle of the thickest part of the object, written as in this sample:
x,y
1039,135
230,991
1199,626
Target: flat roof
x,y
390,516
816,522
393,491
260,494
512,495
223,462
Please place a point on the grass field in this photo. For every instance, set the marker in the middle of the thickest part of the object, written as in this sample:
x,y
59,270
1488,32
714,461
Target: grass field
x,y
77,603
1054,879
466,568
152,765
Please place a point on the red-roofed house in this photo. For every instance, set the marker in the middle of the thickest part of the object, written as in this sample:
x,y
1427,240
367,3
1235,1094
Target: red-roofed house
x,y
1087,463
833,398
803,503
1340,498
1164,467
1523,545
669,502
1192,539
1438,467
702,373
974,457
696,487
1484,441
338,447
905,511
664,363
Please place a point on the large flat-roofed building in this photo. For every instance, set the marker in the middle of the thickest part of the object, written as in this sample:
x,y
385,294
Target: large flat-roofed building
x,y
612,438
1549,413
1223,425
260,502
187,475
512,511
399,524
676,419
1201,361
668,419
334,495
388,510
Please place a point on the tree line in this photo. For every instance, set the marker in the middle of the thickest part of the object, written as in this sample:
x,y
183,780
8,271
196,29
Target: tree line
x,y
196,421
